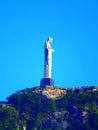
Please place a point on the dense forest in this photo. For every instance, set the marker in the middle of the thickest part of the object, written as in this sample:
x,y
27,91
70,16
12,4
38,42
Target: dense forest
x,y
28,110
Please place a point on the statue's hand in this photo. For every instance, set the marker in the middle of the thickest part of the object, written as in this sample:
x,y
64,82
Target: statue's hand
x,y
53,50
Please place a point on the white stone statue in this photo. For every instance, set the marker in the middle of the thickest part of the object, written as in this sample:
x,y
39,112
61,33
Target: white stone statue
x,y
48,58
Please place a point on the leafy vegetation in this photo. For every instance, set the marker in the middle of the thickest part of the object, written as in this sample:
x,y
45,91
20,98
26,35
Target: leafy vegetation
x,y
79,111
9,118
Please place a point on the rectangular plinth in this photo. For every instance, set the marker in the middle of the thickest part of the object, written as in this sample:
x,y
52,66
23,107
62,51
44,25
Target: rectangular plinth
x,y
46,82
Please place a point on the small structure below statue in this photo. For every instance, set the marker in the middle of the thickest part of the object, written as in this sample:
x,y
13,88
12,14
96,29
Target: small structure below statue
x,y
47,81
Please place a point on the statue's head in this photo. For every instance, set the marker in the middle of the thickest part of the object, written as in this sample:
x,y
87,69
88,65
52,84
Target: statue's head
x,y
50,40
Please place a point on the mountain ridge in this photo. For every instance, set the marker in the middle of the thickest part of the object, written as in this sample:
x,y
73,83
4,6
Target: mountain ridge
x,y
37,109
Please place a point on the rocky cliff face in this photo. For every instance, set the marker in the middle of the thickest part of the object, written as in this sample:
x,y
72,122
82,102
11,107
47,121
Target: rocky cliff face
x,y
51,93
56,121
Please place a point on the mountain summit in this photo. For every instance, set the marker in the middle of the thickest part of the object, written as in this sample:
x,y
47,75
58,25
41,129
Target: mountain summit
x,y
51,109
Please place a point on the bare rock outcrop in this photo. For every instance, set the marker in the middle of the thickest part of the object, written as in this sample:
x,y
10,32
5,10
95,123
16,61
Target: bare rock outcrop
x,y
53,93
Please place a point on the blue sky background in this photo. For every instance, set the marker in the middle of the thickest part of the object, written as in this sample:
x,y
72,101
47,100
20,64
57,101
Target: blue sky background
x,y
25,25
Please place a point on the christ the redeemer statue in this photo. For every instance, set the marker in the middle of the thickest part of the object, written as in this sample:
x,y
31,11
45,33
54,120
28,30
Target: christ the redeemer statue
x,y
47,80
48,58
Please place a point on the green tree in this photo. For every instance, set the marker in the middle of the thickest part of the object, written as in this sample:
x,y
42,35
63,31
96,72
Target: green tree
x,y
53,106
9,118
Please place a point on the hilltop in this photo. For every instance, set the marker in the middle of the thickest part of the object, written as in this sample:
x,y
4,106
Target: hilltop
x,y
51,109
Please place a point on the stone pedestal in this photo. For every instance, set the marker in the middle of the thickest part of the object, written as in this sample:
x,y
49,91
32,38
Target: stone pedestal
x,y
47,82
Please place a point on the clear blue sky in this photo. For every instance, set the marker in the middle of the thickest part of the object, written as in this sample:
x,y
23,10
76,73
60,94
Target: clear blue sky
x,y
25,25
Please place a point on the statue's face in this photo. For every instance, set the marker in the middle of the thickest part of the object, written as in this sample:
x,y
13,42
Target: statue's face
x,y
50,40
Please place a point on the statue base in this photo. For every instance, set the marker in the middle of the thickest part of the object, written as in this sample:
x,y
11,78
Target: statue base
x,y
47,82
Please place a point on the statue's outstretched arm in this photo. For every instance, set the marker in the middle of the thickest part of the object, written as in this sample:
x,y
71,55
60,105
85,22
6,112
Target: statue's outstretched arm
x,y
53,50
